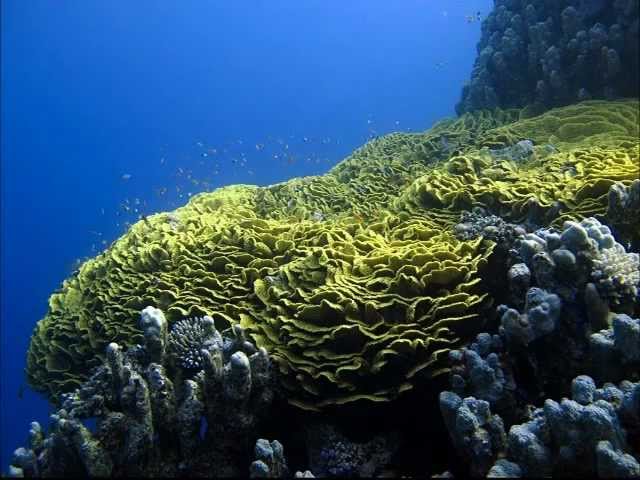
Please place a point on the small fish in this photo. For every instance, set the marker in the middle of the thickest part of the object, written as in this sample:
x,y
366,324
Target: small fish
x,y
204,154
102,211
259,146
126,176
162,160
474,18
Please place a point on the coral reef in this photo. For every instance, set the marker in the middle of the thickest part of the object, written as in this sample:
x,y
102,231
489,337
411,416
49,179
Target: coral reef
x,y
586,436
569,331
542,54
355,281
159,412
364,288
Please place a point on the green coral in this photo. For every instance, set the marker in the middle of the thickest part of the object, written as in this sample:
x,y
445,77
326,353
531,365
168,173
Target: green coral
x,y
353,280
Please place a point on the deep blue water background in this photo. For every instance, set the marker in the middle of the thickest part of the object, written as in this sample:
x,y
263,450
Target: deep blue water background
x,y
105,102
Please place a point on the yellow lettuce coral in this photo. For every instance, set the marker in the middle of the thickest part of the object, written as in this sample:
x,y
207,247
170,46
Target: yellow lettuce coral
x,y
360,313
352,280
595,144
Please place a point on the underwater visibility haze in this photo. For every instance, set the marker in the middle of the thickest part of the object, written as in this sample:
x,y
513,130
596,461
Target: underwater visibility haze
x,y
320,238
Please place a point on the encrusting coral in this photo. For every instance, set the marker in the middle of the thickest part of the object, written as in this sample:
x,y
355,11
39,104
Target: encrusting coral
x,y
354,281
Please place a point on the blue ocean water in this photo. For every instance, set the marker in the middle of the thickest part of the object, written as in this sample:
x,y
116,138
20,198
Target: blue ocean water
x,y
116,109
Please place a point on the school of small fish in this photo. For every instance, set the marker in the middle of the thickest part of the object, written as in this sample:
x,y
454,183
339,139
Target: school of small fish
x,y
205,168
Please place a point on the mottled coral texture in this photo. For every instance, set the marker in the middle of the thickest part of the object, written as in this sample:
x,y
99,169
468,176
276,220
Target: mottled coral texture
x,y
541,54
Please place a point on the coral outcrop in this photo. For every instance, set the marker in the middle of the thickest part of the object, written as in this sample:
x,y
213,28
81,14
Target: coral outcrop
x,y
354,281
157,411
568,335
542,54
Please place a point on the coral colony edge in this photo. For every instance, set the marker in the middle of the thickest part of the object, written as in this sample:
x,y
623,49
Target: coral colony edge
x,y
463,300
